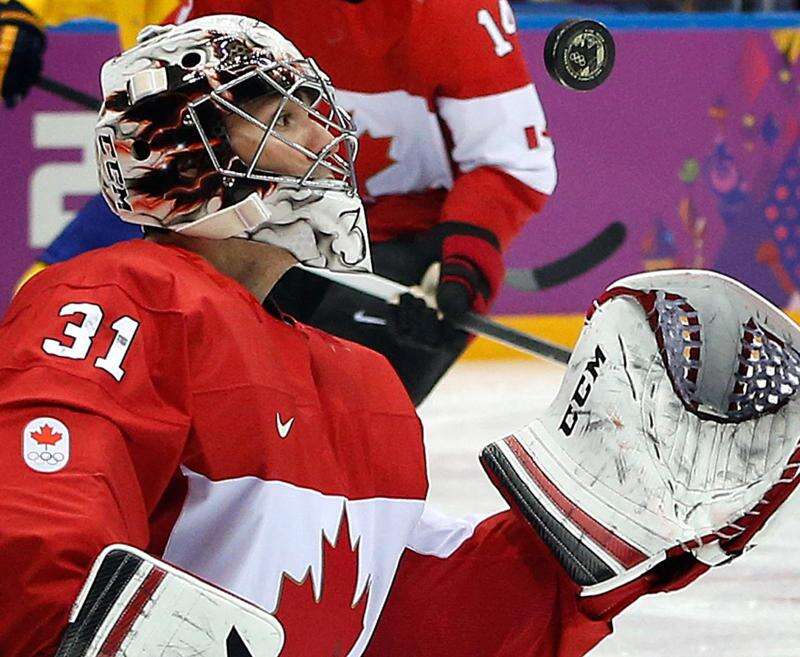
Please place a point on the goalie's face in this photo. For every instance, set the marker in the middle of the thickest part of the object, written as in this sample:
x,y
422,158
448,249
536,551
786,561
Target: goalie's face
x,y
291,145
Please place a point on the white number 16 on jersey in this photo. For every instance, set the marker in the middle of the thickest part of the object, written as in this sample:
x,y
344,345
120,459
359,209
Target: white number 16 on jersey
x,y
83,334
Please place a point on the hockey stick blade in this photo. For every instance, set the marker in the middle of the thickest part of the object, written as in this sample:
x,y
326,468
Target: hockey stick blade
x,y
68,93
577,263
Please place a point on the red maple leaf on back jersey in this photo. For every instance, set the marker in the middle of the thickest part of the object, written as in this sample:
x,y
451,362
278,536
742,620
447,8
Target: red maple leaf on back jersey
x,y
328,626
46,435
373,157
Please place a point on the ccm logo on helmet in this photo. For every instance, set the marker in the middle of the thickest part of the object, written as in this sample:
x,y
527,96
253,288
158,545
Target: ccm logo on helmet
x,y
113,174
582,391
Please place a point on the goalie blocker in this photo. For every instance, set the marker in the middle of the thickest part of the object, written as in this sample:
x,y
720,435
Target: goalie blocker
x,y
672,440
135,605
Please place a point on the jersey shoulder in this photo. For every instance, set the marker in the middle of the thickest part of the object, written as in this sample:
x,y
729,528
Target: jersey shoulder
x,y
369,379
471,46
152,276
87,332
463,24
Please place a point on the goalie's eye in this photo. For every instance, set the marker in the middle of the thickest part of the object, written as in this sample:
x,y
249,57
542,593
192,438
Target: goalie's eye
x,y
284,120
293,111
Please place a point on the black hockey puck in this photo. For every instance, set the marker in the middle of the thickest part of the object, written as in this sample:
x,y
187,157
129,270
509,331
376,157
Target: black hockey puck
x,y
579,54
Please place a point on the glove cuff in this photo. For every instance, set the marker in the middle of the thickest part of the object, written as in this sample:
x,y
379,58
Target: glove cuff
x,y
475,262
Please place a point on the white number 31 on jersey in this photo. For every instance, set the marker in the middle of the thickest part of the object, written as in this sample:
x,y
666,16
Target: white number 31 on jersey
x,y
82,335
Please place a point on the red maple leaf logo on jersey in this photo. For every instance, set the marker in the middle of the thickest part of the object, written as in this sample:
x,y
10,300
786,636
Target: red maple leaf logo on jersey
x,y
373,156
46,435
327,627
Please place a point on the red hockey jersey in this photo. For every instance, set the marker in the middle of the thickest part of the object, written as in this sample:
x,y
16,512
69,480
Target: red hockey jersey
x,y
147,399
450,125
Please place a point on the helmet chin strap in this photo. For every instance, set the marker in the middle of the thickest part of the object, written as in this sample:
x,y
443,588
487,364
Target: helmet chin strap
x,y
237,220
329,231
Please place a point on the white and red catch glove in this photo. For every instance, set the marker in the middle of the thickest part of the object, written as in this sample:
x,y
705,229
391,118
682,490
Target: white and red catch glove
x,y
137,606
672,440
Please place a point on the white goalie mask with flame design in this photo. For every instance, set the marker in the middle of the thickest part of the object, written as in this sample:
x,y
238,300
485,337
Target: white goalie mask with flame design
x,y
166,157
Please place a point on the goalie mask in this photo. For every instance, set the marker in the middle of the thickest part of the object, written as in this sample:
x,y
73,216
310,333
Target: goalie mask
x,y
168,153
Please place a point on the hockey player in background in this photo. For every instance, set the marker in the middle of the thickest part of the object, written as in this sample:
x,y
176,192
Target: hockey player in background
x,y
455,158
148,398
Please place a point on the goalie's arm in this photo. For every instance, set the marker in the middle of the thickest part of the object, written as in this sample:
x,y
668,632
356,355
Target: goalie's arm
x,y
55,524
489,588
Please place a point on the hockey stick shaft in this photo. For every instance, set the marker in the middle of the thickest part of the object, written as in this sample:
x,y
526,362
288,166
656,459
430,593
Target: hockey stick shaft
x,y
68,93
389,291
480,325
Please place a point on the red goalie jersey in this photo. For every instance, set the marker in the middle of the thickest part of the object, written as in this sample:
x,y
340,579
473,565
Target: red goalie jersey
x,y
450,124
149,400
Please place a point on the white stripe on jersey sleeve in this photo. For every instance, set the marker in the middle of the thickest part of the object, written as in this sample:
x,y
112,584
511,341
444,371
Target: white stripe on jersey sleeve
x,y
491,131
417,145
438,535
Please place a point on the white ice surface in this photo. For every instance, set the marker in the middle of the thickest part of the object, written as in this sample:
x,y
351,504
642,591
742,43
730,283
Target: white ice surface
x,y
750,608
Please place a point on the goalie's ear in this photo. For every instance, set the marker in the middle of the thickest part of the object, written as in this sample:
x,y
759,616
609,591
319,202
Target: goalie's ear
x,y
673,437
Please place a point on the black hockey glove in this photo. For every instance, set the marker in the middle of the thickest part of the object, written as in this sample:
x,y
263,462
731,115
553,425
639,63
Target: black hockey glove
x,y
471,270
414,321
22,45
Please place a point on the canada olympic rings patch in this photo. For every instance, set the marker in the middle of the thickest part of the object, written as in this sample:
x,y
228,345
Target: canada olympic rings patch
x,y
45,444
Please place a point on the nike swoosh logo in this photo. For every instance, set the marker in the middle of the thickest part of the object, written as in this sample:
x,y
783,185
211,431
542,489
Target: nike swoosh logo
x,y
362,317
283,427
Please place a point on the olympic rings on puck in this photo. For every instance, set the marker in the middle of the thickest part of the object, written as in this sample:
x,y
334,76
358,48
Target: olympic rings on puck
x,y
579,54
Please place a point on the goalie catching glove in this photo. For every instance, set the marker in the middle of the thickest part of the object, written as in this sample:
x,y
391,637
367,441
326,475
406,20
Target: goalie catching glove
x,y
135,605
672,440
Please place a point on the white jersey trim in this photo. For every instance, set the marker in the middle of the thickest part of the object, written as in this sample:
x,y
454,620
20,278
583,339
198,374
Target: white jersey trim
x,y
418,149
495,131
245,534
438,535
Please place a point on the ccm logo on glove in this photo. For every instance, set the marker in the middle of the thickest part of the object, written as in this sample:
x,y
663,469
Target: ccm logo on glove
x,y
582,391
